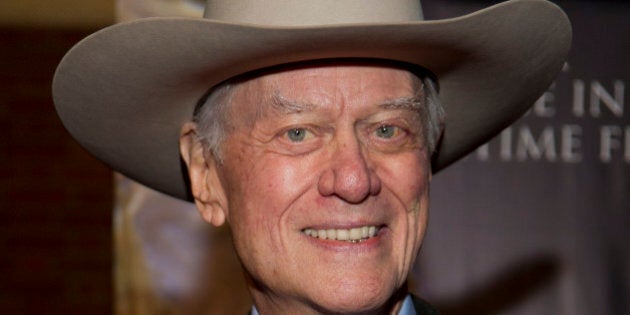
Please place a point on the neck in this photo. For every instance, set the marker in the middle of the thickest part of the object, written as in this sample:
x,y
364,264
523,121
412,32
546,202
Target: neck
x,y
270,303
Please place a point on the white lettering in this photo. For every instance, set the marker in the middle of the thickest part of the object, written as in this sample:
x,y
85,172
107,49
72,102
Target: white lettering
x,y
562,143
506,144
570,143
483,152
609,141
541,107
578,98
615,105
528,146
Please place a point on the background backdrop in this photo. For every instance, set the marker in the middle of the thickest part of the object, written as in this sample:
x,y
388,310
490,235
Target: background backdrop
x,y
535,222
538,220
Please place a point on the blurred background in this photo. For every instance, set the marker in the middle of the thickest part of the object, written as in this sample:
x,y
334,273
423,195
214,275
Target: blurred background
x,y
55,199
535,222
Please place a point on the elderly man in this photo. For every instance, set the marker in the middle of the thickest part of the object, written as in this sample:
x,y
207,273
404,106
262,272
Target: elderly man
x,y
320,134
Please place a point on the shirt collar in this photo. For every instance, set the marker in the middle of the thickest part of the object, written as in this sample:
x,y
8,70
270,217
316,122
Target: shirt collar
x,y
406,309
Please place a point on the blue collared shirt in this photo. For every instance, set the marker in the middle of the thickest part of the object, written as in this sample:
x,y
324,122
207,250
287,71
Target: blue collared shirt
x,y
406,309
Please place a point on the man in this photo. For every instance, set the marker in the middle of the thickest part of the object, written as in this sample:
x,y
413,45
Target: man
x,y
319,137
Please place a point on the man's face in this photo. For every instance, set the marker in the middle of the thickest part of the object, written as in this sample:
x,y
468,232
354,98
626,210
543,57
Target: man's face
x,y
325,175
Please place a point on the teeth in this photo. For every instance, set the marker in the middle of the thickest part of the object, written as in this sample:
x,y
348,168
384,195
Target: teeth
x,y
353,235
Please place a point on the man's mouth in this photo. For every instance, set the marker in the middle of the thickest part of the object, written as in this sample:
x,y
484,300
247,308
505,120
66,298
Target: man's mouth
x,y
353,235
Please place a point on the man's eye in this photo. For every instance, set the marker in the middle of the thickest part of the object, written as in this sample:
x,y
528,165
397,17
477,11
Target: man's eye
x,y
387,131
297,134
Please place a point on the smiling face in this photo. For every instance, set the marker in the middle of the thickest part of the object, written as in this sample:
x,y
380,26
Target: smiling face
x,y
324,181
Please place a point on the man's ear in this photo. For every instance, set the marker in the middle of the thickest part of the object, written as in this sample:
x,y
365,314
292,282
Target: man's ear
x,y
206,187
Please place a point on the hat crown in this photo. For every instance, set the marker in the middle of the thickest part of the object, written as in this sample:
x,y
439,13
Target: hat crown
x,y
314,12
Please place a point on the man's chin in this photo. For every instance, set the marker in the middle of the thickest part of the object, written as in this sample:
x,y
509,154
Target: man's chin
x,y
363,300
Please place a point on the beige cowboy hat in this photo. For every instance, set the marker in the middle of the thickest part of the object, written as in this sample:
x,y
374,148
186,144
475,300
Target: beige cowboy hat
x,y
125,91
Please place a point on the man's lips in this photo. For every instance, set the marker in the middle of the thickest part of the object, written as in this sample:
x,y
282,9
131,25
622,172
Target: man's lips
x,y
352,235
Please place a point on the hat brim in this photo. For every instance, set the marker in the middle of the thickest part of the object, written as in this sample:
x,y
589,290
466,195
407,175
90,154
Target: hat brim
x,y
125,91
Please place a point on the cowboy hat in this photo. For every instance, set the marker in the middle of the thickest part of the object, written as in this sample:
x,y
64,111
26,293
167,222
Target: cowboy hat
x,y
125,91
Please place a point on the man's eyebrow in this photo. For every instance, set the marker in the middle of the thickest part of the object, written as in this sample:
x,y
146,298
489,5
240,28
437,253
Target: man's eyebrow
x,y
414,103
285,106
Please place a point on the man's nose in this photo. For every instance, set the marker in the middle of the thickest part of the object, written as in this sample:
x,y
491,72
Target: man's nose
x,y
350,175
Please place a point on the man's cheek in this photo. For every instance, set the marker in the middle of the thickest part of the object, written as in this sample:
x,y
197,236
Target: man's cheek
x,y
415,206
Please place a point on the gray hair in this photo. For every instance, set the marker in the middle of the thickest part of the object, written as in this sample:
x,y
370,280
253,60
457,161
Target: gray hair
x,y
212,113
433,114
211,117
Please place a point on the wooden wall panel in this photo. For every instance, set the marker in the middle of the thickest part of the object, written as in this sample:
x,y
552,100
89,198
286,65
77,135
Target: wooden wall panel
x,y
57,13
